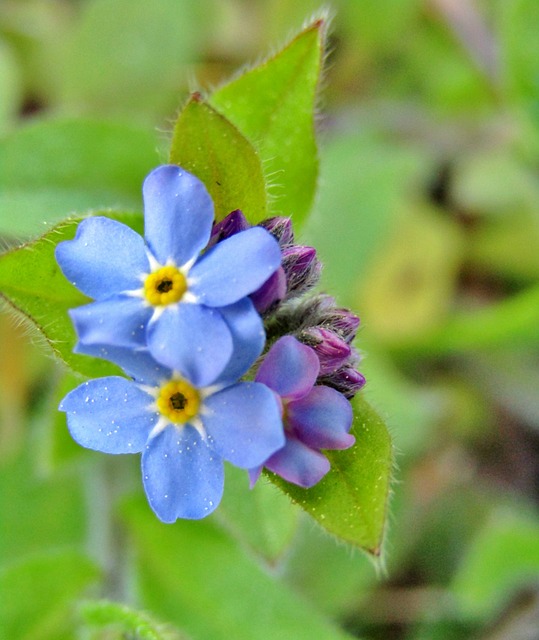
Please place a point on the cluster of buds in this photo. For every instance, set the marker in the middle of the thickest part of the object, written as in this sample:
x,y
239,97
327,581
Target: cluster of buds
x,y
315,320
330,331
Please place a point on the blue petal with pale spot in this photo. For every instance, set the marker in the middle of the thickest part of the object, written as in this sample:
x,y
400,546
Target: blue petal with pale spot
x,y
105,257
109,415
248,339
178,214
235,267
192,339
183,477
241,423
120,320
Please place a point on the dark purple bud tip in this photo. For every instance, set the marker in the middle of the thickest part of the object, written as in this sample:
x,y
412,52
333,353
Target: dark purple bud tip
x,y
302,268
332,351
347,380
271,293
344,323
280,228
231,224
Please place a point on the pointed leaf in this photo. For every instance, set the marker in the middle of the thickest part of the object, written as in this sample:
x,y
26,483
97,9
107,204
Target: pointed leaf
x,y
273,105
33,285
351,500
209,146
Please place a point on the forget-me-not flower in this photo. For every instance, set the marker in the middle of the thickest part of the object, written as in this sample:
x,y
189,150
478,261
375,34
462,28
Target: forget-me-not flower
x,y
315,417
183,430
165,291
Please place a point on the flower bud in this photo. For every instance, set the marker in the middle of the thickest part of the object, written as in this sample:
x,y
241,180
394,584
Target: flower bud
x,y
271,293
333,352
280,228
343,322
302,268
231,224
347,380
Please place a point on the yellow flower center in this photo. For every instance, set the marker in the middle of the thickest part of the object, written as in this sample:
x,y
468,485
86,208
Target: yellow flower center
x,y
165,286
178,401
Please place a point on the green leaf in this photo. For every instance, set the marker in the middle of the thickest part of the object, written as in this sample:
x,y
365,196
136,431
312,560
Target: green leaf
x,y
262,518
209,146
38,594
194,575
351,500
112,616
503,558
273,105
50,169
31,283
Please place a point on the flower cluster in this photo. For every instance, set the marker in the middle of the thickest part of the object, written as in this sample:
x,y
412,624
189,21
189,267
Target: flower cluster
x,y
187,312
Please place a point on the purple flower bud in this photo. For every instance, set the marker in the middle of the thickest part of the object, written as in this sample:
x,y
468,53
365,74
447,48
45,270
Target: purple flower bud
x,y
270,293
343,322
332,351
302,268
347,380
280,228
231,224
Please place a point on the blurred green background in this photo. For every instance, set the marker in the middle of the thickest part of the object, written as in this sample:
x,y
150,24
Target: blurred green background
x,y
427,220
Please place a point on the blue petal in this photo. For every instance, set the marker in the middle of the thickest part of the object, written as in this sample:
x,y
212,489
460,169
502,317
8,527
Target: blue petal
x,y
178,214
235,267
105,258
120,321
193,340
322,419
299,464
290,368
110,415
248,338
138,363
182,476
244,424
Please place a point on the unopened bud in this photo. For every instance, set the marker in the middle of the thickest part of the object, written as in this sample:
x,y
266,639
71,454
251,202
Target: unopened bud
x,y
347,380
231,224
271,293
332,351
280,228
302,269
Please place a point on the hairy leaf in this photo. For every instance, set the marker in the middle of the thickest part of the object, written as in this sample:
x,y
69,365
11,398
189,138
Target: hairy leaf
x,y
351,500
209,146
273,105
31,283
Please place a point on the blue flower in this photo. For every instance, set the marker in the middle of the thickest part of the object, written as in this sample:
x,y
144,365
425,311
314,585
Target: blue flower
x,y
183,430
162,292
315,417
